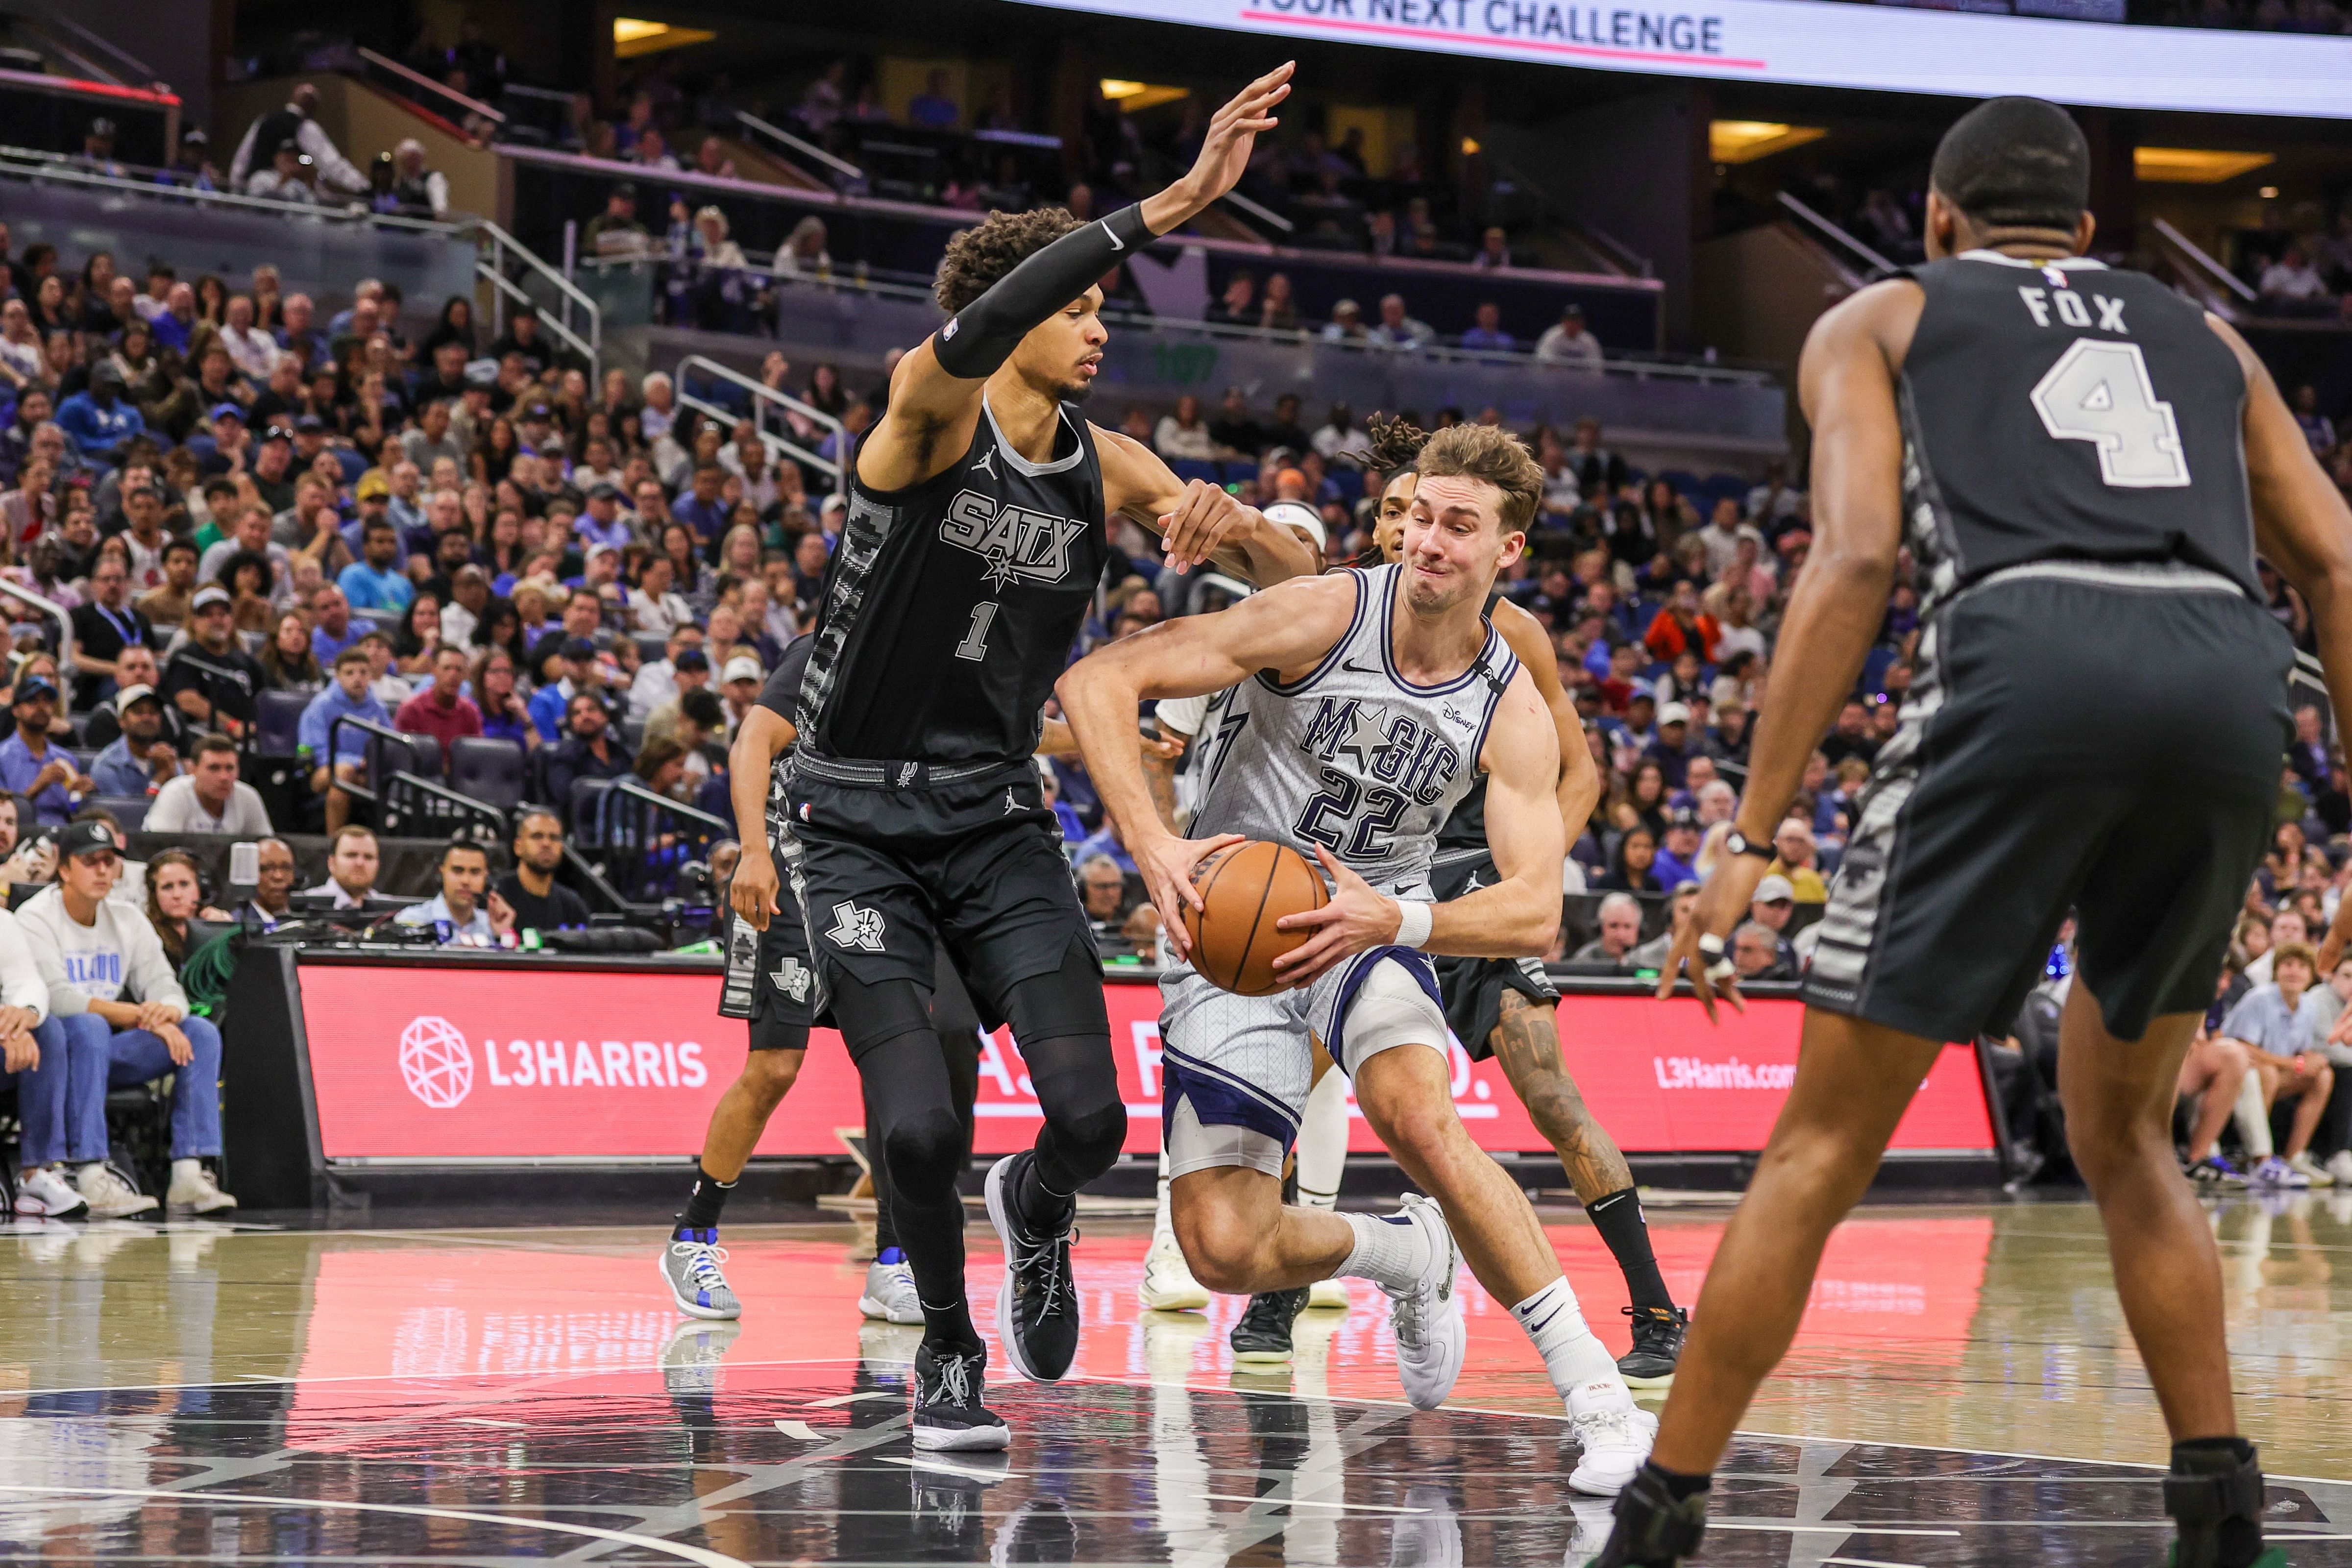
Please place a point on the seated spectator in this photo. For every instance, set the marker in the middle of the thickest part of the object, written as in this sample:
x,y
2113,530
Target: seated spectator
x,y
100,421
35,1058
139,761
1183,434
1677,858
1652,953
582,673
209,797
103,627
287,177
1494,250
540,902
212,679
505,715
469,919
422,192
1755,954
376,581
350,695
1121,929
111,982
1633,868
168,606
1398,331
588,751
287,662
353,863
32,766
2290,281
273,886
1346,324
655,607
1621,928
1774,902
175,900
2287,1060
442,709
1795,862
1568,342
1487,333
684,666
932,108
1341,437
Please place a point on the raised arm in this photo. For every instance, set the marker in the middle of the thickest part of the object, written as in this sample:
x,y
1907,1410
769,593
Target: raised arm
x,y
1580,780
1288,629
1200,522
935,391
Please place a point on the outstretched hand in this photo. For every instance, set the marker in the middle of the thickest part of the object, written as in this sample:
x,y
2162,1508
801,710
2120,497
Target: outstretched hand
x,y
1233,132
1722,904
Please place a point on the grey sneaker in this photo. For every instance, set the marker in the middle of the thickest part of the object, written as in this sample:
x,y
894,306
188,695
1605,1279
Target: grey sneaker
x,y
698,1286
889,1294
198,1193
110,1194
689,1362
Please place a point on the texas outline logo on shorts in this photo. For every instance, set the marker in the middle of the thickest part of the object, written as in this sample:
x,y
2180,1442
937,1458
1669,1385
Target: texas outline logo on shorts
x,y
792,977
855,927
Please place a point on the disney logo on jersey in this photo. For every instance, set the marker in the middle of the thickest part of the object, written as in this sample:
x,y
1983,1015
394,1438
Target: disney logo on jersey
x,y
1016,542
1396,750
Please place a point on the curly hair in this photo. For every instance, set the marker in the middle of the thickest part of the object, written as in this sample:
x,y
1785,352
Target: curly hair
x,y
1396,443
977,257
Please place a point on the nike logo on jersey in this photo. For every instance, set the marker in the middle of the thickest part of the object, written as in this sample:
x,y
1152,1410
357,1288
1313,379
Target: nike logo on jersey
x,y
1350,664
1017,543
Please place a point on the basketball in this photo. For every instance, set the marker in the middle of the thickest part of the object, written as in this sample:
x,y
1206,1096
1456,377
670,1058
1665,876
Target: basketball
x,y
1245,889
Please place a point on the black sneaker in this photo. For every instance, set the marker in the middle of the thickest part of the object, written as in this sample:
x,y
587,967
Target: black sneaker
x,y
1037,1305
1657,1346
2207,1492
1263,1334
1653,1531
1040,1531
948,1415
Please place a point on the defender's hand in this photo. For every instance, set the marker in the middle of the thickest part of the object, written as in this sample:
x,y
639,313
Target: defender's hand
x,y
753,891
1167,863
1233,131
1205,518
1357,918
1722,904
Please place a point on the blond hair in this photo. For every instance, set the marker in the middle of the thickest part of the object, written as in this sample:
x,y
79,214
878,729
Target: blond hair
x,y
1495,456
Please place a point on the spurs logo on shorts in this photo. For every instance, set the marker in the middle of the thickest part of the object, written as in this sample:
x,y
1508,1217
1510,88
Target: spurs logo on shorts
x,y
791,978
856,927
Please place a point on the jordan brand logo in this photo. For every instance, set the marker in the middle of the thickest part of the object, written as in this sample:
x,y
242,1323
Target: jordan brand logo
x,y
855,927
1011,803
981,466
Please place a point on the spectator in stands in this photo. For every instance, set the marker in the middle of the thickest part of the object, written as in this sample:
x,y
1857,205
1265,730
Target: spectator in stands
x,y
273,886
540,902
103,627
333,628
139,759
1795,861
684,666
1494,250
615,232
1599,471
1346,324
212,679
2267,1022
376,581
471,921
114,989
2290,283
100,421
442,709
1341,437
297,122
23,859
286,179
803,254
1677,858
1620,922
1184,434
1568,342
1399,330
1632,866
1755,954
1278,312
656,609
932,108
1487,333
209,797
37,1056
704,510
421,191
353,863
287,662
31,766
175,902
1774,903
588,750
350,696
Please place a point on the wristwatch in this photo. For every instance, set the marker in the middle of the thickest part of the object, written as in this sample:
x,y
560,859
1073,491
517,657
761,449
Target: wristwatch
x,y
1737,843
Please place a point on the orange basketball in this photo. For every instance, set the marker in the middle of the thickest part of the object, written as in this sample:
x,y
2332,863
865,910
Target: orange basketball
x,y
1245,889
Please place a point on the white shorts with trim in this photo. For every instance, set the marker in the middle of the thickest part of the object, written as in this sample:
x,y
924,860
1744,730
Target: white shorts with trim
x,y
1235,1071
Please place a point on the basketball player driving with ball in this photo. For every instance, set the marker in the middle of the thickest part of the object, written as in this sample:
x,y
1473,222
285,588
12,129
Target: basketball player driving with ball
x,y
1363,706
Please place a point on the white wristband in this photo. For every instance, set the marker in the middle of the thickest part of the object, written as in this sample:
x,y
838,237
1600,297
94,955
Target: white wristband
x,y
1413,921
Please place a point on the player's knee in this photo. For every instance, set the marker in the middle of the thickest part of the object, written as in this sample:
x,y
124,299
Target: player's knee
x,y
1093,1132
926,1152
769,1075
1220,1245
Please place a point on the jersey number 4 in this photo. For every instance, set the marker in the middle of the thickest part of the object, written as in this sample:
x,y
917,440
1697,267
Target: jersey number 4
x,y
2099,392
1327,817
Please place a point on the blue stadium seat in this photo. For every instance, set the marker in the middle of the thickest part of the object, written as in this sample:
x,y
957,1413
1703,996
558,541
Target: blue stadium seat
x,y
277,722
1190,469
1348,483
130,810
1687,484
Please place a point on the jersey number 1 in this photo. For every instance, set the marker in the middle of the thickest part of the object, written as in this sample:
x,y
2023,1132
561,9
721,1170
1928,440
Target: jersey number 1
x,y
974,645
2099,392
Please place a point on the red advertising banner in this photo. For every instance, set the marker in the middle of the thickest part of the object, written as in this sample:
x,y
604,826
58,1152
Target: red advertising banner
x,y
469,1063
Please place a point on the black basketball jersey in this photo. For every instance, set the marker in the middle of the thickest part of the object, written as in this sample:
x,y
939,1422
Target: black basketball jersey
x,y
781,696
951,605
2064,410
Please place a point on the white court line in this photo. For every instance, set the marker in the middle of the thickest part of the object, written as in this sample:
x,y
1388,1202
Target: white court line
x,y
800,1431
678,1550
1868,1563
841,1399
486,1421
944,1468
1827,1529
410,1378
1310,1502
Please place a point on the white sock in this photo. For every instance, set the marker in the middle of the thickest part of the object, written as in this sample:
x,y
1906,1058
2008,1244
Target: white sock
x,y
187,1170
2253,1117
1390,1251
1580,1366
1323,1142
1163,1224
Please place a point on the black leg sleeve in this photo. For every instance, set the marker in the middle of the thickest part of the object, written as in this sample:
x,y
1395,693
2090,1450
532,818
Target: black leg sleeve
x,y
1064,1034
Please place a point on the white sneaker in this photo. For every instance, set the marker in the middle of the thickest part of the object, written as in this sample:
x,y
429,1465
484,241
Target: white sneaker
x,y
1589,1531
1168,1283
1328,1295
2320,1175
110,1197
198,1194
45,1194
1616,1435
890,1293
2272,1171
2340,1167
1432,1338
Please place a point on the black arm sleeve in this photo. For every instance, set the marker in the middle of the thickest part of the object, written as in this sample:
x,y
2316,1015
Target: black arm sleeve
x,y
984,334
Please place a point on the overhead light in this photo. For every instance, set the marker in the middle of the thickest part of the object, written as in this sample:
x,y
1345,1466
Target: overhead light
x,y
2193,166
1470,146
1745,141
2270,192
633,36
1134,97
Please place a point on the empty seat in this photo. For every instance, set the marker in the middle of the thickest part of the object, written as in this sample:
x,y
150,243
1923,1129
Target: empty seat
x,y
130,810
586,811
487,769
1190,469
277,722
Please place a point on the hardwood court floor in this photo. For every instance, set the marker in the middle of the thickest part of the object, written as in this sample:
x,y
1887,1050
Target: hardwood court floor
x,y
1963,1392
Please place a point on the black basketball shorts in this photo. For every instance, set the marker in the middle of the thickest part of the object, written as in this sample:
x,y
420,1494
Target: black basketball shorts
x,y
2104,738
1472,988
898,858
770,973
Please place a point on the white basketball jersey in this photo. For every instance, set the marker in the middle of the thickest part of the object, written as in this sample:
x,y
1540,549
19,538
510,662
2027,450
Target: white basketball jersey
x,y
1353,757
